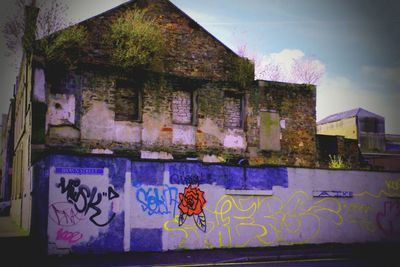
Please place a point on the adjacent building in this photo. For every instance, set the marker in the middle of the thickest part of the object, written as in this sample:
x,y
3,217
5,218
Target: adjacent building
x,y
378,149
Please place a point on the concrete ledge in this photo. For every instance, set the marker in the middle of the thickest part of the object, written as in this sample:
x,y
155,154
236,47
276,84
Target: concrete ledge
x,y
250,192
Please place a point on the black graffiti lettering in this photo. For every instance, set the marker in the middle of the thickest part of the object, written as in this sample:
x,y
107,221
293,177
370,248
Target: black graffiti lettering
x,y
185,179
85,199
111,193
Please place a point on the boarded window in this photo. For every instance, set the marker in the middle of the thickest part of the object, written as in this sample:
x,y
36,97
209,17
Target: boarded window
x,y
182,107
270,131
127,101
232,111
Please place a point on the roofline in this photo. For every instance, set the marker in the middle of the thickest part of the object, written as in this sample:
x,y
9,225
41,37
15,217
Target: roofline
x,y
319,122
201,27
260,81
131,1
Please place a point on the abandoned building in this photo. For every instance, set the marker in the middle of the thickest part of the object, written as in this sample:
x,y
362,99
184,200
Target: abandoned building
x,y
106,149
193,107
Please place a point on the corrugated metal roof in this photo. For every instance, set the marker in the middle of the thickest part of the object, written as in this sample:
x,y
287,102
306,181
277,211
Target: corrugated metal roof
x,y
348,114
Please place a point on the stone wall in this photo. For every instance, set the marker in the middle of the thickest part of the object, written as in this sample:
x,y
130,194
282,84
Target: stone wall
x,y
232,112
190,50
295,105
182,107
183,118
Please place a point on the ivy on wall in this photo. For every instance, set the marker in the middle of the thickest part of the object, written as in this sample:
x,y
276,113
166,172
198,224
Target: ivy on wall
x,y
63,48
242,71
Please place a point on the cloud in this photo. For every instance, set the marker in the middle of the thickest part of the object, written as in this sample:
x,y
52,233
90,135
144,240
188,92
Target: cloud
x,y
289,65
283,58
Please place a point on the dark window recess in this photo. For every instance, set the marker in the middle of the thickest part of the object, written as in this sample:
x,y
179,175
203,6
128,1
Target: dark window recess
x,y
369,125
127,101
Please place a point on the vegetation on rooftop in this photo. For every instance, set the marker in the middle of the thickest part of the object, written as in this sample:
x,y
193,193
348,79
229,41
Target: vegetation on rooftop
x,y
136,40
242,71
64,46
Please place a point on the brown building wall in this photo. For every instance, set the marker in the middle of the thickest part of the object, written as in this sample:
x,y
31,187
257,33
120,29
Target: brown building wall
x,y
189,49
295,105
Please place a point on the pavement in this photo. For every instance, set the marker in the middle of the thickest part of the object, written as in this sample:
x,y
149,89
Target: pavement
x,y
9,228
19,249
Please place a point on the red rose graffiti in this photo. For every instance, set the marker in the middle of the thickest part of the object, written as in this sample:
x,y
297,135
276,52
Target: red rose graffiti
x,y
191,203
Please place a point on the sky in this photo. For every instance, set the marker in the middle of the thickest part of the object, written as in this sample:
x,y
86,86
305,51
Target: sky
x,y
354,41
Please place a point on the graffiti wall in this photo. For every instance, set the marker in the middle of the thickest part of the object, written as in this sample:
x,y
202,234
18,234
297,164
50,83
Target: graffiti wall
x,y
85,204
155,206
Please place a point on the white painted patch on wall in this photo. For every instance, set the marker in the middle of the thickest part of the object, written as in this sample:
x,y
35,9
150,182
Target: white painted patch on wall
x,y
155,155
151,128
39,93
101,151
126,131
183,135
283,124
98,122
234,139
211,158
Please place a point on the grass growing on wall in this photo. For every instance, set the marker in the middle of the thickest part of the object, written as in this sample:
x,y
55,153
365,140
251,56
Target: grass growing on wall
x,y
63,47
136,40
242,71
336,162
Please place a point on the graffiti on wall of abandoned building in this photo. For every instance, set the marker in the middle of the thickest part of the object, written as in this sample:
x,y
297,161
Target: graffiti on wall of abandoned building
x,y
241,221
192,203
81,203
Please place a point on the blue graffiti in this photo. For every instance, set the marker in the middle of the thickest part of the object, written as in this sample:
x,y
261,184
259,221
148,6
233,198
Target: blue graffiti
x,y
155,201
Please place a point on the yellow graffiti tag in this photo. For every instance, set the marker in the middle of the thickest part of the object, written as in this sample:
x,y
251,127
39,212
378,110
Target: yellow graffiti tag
x,y
265,220
393,184
356,214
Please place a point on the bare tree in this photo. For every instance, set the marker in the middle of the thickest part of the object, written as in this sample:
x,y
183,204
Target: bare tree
x,y
307,70
52,17
270,71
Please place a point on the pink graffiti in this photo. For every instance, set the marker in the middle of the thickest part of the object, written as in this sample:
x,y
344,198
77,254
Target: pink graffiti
x,y
64,214
67,236
388,220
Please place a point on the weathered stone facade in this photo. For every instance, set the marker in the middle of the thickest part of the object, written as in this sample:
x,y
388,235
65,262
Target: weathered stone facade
x,y
181,107
232,112
188,109
189,49
295,105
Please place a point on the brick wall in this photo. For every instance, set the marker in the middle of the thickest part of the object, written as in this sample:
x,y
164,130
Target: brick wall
x,y
232,112
295,105
181,107
190,50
